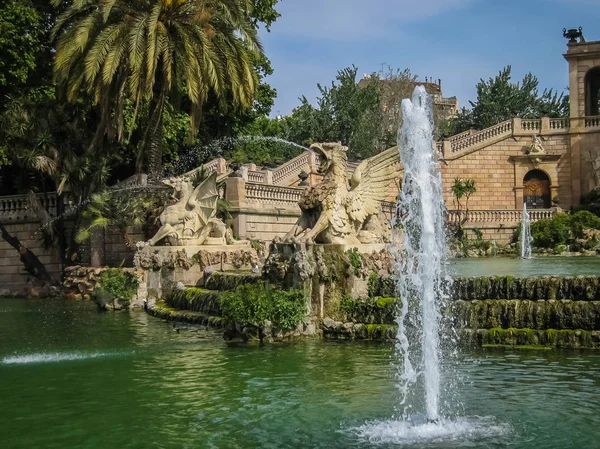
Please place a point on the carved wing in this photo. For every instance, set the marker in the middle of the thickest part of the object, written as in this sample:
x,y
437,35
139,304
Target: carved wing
x,y
204,199
370,184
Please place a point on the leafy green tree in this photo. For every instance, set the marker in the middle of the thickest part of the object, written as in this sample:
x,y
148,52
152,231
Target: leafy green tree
x,y
500,99
154,52
48,143
21,34
345,112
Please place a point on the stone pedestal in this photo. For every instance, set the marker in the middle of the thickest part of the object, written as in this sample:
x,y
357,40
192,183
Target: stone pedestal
x,y
166,267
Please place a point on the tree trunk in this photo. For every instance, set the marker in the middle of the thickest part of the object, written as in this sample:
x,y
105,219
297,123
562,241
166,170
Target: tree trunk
x,y
30,261
153,138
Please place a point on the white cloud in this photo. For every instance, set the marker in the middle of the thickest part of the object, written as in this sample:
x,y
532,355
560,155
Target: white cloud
x,y
354,19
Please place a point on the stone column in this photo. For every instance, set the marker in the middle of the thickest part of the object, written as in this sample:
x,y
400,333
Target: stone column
x,y
269,177
235,194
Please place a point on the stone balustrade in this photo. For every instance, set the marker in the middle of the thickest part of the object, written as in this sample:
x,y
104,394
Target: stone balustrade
x,y
506,217
531,125
259,177
592,122
291,169
469,141
559,123
17,207
273,195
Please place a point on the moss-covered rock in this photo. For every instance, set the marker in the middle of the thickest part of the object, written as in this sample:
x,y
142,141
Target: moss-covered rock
x,y
525,337
223,280
162,310
196,300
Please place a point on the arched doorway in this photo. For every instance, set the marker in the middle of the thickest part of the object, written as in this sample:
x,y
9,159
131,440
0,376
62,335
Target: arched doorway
x,y
536,190
592,92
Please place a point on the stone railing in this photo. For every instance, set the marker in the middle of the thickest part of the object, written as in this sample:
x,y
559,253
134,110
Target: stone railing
x,y
270,195
16,207
469,141
259,177
218,165
461,135
531,125
592,122
499,216
481,137
289,171
559,123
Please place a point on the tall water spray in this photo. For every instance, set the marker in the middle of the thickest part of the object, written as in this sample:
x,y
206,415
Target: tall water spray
x,y
526,238
422,282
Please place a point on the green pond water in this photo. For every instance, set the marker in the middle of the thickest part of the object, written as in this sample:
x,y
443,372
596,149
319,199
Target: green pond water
x,y
538,266
71,377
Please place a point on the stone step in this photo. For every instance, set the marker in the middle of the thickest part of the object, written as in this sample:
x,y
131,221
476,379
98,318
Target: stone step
x,y
196,300
548,338
162,310
223,280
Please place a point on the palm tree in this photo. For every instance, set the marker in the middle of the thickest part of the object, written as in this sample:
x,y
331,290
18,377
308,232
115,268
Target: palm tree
x,y
153,51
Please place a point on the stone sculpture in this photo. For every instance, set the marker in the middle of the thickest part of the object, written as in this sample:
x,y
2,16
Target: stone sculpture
x,y
192,219
536,147
341,211
596,172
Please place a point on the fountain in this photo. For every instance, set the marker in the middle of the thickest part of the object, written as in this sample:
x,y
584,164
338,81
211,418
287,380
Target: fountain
x,y
421,279
422,283
526,238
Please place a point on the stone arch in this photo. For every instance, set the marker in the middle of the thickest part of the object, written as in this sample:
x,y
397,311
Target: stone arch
x,y
536,189
592,92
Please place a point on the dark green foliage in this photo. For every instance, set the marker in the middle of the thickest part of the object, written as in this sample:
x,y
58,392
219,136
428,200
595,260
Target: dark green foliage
x,y
115,283
383,286
355,260
21,35
345,112
499,99
254,304
376,310
563,229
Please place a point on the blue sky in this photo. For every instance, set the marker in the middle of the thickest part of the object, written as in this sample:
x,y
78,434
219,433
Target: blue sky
x,y
459,41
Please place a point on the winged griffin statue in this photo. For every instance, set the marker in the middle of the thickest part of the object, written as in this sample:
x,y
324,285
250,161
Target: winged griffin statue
x,y
343,211
192,219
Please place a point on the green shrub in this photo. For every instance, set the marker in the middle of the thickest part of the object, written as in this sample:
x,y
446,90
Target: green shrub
x,y
253,304
562,229
378,310
115,283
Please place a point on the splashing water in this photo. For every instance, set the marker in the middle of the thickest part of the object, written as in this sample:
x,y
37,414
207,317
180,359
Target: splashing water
x,y
190,159
421,281
51,357
420,249
526,238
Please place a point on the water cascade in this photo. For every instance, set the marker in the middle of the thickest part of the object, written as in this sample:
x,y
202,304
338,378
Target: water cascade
x,y
526,238
421,277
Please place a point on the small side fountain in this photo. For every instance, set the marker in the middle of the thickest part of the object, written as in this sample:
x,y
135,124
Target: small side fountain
x,y
526,238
